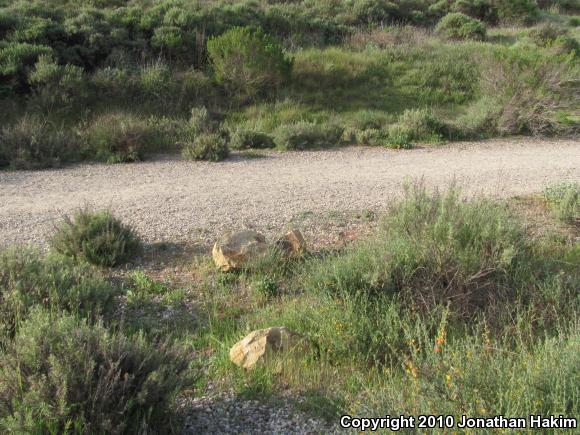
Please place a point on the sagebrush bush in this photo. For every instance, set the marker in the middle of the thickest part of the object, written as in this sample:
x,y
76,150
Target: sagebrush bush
x,y
308,135
96,237
154,79
65,375
57,87
242,139
16,60
564,199
120,137
460,26
436,249
32,143
517,11
419,124
206,146
200,121
399,137
57,283
528,90
480,119
555,37
248,62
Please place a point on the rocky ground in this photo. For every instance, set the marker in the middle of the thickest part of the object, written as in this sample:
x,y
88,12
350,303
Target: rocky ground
x,y
227,414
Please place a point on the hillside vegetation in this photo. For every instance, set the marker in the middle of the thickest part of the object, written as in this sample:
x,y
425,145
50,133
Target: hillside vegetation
x,y
115,80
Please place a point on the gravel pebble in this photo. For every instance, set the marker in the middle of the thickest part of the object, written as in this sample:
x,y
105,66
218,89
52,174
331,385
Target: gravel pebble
x,y
225,413
168,199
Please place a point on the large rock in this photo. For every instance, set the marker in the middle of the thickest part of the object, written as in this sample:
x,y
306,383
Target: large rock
x,y
292,244
263,343
232,251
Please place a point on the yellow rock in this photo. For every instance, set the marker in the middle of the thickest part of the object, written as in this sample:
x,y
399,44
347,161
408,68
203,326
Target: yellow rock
x,y
292,244
233,250
260,344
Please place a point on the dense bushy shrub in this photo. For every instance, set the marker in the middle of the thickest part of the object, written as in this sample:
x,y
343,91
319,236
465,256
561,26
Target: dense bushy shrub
x,y
57,283
16,60
551,35
528,88
33,144
154,79
399,137
564,199
56,86
483,10
460,26
417,125
436,249
248,62
120,137
96,237
242,139
176,43
63,375
517,11
206,146
308,135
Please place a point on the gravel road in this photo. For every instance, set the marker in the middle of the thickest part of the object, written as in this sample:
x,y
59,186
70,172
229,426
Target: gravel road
x,y
172,200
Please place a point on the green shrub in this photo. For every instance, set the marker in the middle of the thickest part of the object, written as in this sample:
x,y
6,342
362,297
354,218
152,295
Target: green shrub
x,y
120,137
551,35
112,82
484,10
399,137
200,121
527,90
418,124
174,42
62,375
17,59
248,62
459,26
34,144
369,120
57,86
480,119
372,137
242,139
564,199
57,283
546,33
96,237
308,135
206,146
154,79
517,11
435,250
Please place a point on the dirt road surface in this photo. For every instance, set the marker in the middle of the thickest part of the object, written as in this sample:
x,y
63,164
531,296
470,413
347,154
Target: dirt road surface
x,y
168,199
